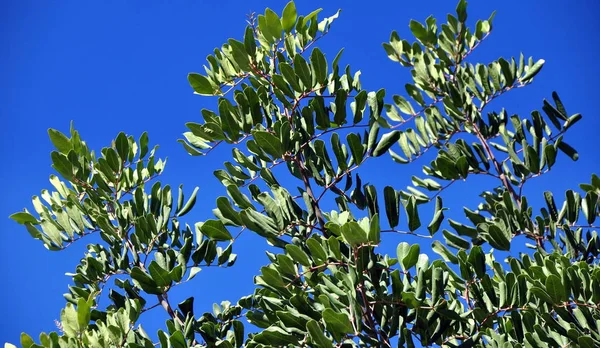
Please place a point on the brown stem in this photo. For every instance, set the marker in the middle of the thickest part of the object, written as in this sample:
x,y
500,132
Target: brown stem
x,y
313,201
407,232
367,310
492,158
164,302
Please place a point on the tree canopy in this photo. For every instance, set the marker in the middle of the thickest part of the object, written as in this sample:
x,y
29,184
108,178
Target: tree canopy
x,y
300,127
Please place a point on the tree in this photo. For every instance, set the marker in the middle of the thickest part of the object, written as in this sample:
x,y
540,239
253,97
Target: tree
x,y
283,105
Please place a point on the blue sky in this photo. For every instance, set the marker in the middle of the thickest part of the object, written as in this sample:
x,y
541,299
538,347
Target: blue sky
x,y
121,66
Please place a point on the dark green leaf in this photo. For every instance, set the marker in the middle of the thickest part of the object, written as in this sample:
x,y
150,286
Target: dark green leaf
x,y
555,289
144,281
441,250
568,150
418,30
215,230
201,84
161,276
356,147
337,323
412,213
319,69
316,335
392,206
269,143
438,216
387,140
455,241
411,258
189,204
60,141
303,71
298,254
541,293
354,234
461,11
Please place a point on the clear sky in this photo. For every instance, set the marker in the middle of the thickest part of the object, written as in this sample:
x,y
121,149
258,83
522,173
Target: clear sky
x,y
121,65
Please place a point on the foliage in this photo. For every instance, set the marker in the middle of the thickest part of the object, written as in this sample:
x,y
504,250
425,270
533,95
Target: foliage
x,y
281,103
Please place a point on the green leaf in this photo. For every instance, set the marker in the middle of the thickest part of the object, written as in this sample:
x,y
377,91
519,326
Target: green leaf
x,y
568,150
498,238
438,216
161,276
339,117
418,30
177,340
461,11
250,41
541,293
193,272
588,206
551,205
122,146
555,289
411,256
62,165
311,16
68,319
402,250
411,300
533,70
201,84
549,154
227,212
337,323
403,105
240,54
455,241
321,114
290,76
83,312
354,234
316,335
269,143
215,230
441,250
356,147
189,204
276,337
412,213
477,261
272,277
23,217
26,342
60,141
586,342
303,71
319,69
571,121
298,254
392,206
316,250
288,17
143,143
387,140
144,281
273,23
259,223
374,234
